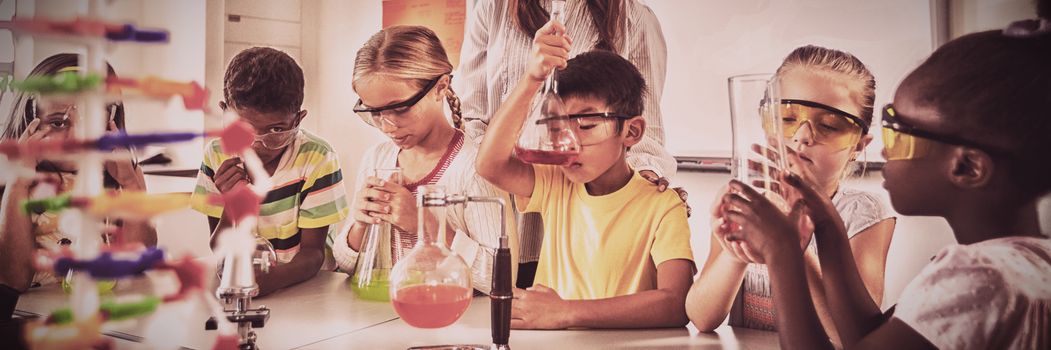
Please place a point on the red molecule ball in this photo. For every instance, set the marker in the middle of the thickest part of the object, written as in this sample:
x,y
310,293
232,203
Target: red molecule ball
x,y
237,138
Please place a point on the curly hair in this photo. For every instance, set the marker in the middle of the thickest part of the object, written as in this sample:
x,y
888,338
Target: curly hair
x,y
264,80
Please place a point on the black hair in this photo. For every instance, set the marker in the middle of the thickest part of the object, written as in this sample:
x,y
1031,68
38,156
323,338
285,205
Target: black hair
x,y
264,80
605,76
996,90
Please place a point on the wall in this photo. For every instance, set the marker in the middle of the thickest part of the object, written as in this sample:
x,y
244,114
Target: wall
x,y
710,40
968,16
343,27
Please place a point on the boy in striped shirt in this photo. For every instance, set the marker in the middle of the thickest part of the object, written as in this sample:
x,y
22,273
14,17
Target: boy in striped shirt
x,y
265,87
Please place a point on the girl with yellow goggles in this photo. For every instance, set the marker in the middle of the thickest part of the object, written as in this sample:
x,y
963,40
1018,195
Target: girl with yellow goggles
x,y
828,125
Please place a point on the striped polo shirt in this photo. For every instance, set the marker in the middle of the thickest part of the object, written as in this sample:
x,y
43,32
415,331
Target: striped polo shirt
x,y
308,192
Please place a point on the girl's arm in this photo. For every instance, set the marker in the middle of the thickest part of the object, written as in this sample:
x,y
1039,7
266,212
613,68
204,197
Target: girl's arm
x,y
712,294
16,240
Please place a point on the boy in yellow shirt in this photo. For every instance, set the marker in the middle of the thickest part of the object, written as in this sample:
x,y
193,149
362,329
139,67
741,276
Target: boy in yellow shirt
x,y
616,253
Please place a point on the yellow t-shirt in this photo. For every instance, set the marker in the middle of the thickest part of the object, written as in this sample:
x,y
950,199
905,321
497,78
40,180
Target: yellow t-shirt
x,y
599,247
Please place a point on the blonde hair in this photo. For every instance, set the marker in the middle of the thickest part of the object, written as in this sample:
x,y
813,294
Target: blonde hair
x,y
823,59
411,53
858,77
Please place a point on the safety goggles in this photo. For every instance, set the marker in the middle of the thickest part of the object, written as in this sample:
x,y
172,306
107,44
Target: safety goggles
x,y
590,128
62,118
902,141
277,140
394,114
828,125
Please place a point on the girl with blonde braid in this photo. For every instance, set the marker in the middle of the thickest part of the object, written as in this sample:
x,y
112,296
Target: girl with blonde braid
x,y
402,76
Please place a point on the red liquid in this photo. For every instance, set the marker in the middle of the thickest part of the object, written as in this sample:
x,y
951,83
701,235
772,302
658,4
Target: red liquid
x,y
546,157
431,306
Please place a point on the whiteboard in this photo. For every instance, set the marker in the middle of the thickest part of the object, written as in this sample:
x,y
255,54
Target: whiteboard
x,y
711,40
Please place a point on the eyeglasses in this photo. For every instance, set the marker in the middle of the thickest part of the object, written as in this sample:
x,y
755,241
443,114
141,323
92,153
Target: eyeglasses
x,y
902,141
590,128
828,125
393,114
277,140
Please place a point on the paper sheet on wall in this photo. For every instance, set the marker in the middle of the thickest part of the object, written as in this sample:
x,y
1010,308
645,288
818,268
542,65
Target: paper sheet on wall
x,y
446,18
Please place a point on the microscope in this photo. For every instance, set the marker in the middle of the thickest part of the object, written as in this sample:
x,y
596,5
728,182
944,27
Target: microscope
x,y
237,287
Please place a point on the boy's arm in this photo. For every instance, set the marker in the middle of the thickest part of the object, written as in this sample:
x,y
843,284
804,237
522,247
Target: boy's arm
x,y
496,161
540,307
303,266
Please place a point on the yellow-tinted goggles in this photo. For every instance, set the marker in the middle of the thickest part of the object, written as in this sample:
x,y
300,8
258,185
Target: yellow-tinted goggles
x,y
902,141
828,125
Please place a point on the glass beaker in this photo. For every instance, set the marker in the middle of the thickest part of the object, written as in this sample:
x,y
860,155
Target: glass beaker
x,y
431,286
547,136
758,147
371,278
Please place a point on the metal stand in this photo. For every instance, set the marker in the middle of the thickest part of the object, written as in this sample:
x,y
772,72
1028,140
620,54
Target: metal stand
x,y
242,314
500,296
237,287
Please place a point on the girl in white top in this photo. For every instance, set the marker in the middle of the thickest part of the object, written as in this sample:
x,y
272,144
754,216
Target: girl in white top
x,y
964,138
826,110
496,49
402,75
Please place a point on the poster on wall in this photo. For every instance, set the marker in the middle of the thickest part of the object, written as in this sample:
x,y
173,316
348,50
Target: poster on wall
x,y
446,18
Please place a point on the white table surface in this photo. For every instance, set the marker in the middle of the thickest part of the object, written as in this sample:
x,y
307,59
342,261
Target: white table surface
x,y
473,328
323,313
320,308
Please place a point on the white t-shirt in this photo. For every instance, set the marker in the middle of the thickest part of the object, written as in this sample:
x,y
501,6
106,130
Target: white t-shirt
x,y
477,230
754,305
994,294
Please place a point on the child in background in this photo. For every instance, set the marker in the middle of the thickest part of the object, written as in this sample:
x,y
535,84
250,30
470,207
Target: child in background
x,y
402,75
264,87
615,254
965,139
826,110
36,119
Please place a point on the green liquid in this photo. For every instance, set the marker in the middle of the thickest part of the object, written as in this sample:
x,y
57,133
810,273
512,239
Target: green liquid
x,y
104,286
378,288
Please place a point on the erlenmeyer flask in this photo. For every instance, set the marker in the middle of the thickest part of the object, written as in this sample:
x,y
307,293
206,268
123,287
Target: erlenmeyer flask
x,y
103,285
431,286
758,144
371,279
547,137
